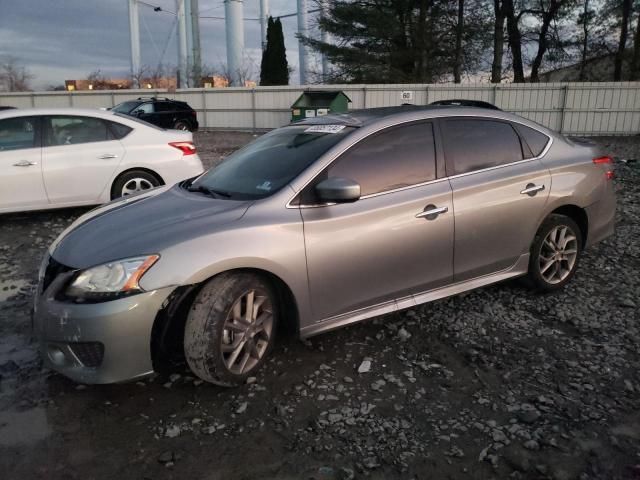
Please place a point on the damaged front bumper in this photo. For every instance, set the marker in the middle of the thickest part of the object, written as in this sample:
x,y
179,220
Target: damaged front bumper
x,y
103,342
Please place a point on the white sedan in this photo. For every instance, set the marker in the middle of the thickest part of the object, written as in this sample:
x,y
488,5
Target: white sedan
x,y
55,158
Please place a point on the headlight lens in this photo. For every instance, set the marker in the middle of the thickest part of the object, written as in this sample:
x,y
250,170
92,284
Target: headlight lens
x,y
110,280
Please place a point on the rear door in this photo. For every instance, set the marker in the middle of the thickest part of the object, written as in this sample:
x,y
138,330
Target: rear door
x,y
21,184
381,247
499,194
79,158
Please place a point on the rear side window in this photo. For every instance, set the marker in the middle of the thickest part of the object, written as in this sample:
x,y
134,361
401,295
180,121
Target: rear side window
x,y
17,133
474,144
394,158
118,130
535,140
166,107
72,130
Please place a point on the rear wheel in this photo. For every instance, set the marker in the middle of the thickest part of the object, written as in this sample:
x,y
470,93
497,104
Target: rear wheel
x,y
182,125
134,181
231,328
555,253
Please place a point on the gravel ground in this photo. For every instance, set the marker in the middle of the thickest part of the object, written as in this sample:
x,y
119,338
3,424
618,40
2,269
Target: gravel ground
x,y
496,383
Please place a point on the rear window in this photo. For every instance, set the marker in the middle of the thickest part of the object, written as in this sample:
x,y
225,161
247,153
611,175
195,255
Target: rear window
x,y
535,140
272,161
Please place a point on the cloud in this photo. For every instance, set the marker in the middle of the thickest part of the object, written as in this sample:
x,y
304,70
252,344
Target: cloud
x,y
58,40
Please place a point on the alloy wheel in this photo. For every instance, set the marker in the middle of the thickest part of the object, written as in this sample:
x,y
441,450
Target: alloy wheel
x,y
558,254
247,331
136,185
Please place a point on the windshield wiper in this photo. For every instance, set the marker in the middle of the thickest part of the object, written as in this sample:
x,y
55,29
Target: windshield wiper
x,y
209,191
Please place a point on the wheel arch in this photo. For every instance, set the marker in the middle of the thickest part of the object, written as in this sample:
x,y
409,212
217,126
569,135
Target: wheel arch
x,y
167,333
578,215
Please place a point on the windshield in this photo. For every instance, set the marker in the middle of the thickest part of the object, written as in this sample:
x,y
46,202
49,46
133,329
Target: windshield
x,y
125,107
269,163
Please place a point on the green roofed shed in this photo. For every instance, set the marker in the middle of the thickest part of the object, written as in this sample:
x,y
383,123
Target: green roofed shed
x,y
315,103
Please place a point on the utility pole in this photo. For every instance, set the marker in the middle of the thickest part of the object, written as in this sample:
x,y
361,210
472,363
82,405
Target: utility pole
x,y
196,68
134,33
264,15
303,31
182,44
235,40
324,5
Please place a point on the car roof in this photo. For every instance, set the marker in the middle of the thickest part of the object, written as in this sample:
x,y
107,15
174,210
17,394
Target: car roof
x,y
29,112
390,115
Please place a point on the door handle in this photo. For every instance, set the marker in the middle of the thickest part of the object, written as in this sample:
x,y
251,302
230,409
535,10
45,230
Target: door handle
x,y
430,212
24,163
107,156
531,189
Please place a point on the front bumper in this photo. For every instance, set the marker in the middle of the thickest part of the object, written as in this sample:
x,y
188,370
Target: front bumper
x,y
97,343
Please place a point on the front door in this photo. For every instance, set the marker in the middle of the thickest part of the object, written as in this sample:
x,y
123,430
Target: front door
x,y
381,247
21,184
79,158
499,194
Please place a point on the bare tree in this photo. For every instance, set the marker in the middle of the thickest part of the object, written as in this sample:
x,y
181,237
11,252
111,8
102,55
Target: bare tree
x,y
98,81
457,60
498,41
14,77
635,60
137,78
622,43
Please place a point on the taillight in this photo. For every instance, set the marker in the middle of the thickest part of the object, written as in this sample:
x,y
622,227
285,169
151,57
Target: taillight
x,y
187,148
607,162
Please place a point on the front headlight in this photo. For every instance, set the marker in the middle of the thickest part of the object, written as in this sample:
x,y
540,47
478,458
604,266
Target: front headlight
x,y
110,280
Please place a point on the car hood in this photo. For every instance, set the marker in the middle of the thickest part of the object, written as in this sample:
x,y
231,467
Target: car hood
x,y
141,225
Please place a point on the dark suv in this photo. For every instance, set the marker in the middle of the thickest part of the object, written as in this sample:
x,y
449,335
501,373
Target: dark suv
x,y
163,112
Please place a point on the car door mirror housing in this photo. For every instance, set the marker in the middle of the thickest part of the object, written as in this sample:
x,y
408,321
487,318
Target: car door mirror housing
x,y
338,190
138,112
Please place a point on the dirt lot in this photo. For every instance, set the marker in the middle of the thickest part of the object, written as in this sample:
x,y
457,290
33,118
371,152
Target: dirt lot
x,y
497,383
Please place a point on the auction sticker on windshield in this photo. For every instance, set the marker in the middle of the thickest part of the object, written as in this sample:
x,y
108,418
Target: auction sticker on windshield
x,y
325,129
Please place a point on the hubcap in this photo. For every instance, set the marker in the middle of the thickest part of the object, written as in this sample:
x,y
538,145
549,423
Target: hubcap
x,y
136,185
558,254
247,331
182,126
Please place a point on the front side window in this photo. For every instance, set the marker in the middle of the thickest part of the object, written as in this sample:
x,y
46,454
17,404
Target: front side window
x,y
72,130
474,144
17,133
270,162
394,158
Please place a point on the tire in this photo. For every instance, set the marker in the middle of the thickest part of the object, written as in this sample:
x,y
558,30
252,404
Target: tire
x,y
182,125
550,267
133,181
209,342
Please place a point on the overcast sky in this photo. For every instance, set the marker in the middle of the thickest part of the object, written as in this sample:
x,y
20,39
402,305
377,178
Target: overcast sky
x,y
68,39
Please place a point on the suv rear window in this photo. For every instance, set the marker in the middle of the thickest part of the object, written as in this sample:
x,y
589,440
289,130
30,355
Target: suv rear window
x,y
125,107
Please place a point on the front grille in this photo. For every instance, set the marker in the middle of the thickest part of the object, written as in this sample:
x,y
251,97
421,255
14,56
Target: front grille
x,y
53,269
90,354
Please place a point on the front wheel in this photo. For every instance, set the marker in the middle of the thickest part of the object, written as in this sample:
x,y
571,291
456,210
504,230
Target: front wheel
x,y
555,253
231,328
182,125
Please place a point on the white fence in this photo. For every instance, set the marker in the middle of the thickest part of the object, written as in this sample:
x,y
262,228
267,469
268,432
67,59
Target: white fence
x,y
572,108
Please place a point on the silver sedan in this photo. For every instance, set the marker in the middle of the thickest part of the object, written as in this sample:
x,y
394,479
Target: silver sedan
x,y
313,226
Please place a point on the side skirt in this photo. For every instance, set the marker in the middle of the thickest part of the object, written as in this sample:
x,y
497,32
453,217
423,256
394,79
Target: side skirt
x,y
518,269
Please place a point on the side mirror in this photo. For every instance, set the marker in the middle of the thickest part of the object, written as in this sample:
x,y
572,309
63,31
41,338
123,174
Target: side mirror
x,y
137,113
338,190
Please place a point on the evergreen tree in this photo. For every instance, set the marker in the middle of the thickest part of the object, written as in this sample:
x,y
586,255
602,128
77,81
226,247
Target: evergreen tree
x,y
274,69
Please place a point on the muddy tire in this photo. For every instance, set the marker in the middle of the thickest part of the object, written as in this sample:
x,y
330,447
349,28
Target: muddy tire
x,y
555,254
231,328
